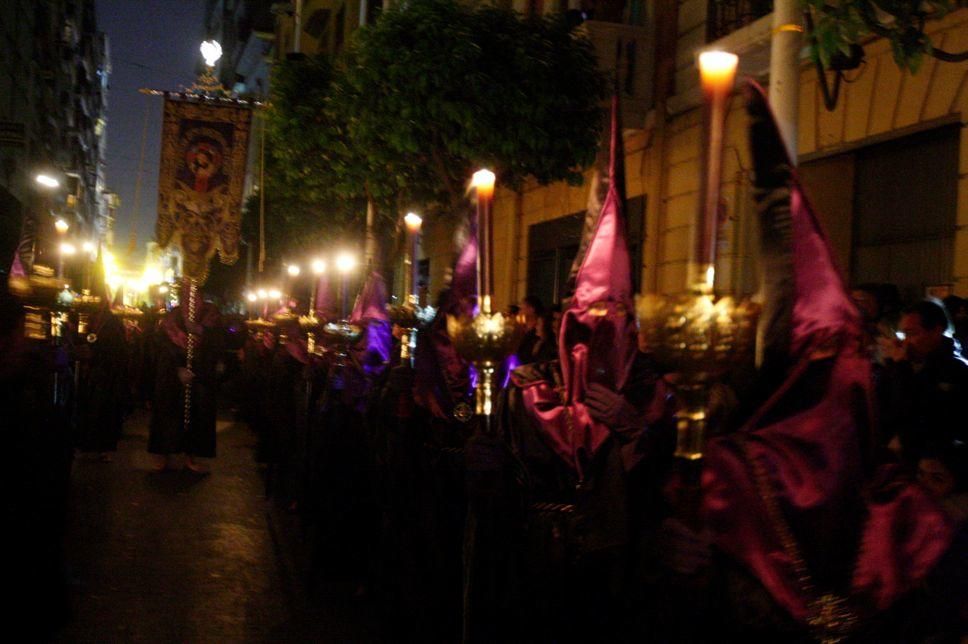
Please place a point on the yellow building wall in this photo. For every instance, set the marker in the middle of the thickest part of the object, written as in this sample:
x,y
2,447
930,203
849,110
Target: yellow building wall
x,y
881,102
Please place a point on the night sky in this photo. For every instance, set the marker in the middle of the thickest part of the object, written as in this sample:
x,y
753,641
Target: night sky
x,y
154,43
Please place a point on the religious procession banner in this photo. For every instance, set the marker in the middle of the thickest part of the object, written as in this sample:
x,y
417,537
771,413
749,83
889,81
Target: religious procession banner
x,y
203,160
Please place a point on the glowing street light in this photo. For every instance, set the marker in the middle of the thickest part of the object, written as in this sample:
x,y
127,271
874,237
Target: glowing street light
x,y
293,270
345,262
68,249
319,266
47,181
251,297
274,294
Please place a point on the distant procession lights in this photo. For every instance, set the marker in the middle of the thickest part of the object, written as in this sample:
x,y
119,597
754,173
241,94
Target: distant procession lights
x,y
211,52
319,266
262,294
88,247
345,262
68,249
252,297
61,226
293,270
47,181
275,294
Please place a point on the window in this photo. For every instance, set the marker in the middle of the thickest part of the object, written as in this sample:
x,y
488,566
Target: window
x,y
553,246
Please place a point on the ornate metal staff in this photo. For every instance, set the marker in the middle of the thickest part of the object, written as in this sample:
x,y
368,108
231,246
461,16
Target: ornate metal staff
x,y
697,334
190,348
486,338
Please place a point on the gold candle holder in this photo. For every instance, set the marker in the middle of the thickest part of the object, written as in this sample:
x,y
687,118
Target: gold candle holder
x,y
700,338
484,340
341,336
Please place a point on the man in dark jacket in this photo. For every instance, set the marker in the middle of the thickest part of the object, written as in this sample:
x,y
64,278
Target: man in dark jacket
x,y
927,382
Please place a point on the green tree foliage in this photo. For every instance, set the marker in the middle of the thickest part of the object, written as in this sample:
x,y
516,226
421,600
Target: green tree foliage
x,y
431,91
839,24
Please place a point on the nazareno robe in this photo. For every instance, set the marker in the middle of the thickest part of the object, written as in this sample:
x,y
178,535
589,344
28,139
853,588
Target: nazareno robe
x,y
554,544
168,432
102,384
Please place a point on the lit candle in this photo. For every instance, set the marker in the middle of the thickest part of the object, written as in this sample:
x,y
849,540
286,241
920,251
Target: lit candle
x,y
344,264
410,273
483,183
717,72
319,267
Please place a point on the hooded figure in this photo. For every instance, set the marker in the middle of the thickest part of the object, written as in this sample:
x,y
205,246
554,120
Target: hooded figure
x,y
342,480
420,439
102,355
553,497
788,496
169,434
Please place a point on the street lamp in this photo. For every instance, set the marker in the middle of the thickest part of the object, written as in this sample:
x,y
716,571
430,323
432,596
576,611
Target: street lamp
x,y
47,181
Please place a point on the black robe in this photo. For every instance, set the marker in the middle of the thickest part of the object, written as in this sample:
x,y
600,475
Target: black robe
x,y
168,432
102,384
550,555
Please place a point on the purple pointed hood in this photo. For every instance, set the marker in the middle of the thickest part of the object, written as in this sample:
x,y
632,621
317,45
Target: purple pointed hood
x,y
598,338
787,495
373,350
442,376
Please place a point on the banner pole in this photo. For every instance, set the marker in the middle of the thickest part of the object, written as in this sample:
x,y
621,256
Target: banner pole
x,y
190,347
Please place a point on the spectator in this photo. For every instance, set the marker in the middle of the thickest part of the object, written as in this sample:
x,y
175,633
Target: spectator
x,y
926,382
531,310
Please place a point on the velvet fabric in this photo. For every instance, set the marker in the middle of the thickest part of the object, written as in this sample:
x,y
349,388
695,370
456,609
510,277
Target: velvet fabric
x,y
442,377
799,460
598,338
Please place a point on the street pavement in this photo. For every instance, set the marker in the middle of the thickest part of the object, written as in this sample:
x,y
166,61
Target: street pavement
x,y
183,557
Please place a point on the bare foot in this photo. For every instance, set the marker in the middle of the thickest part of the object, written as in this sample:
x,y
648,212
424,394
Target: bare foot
x,y
197,467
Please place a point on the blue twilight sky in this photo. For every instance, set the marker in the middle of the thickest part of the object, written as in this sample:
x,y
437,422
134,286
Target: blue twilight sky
x,y
153,43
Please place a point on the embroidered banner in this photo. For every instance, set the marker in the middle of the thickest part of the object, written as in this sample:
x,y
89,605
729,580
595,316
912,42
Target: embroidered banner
x,y
203,160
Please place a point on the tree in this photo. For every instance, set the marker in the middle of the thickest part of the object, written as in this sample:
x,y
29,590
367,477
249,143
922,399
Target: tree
x,y
836,29
435,89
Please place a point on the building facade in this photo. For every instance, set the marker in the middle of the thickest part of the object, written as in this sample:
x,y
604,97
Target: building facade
x,y
54,68
886,167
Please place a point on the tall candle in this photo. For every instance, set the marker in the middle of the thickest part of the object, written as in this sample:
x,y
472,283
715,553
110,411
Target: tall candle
x,y
483,183
410,275
717,72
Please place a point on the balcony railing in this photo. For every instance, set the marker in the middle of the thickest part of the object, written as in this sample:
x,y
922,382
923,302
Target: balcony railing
x,y
726,16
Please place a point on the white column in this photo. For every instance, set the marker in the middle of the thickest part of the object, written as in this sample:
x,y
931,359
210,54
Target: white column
x,y
785,70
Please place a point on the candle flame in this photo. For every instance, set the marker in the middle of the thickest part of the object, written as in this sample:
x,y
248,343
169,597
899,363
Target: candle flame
x,y
413,222
483,182
718,68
